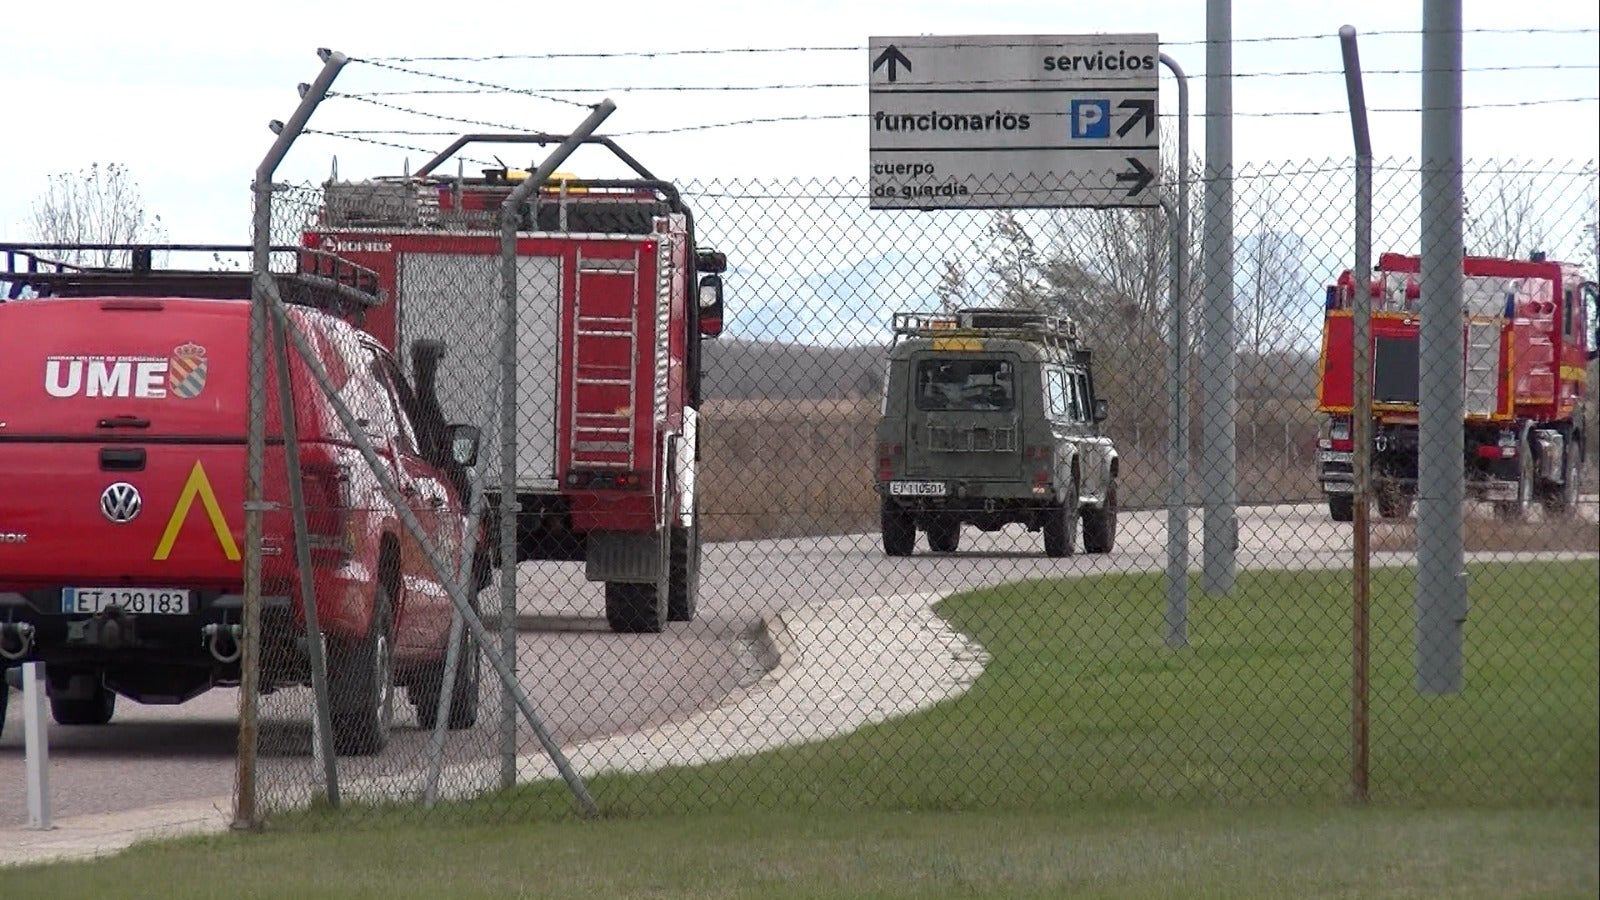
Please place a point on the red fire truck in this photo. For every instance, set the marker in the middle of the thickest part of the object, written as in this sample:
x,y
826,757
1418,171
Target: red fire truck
x,y
613,300
1527,337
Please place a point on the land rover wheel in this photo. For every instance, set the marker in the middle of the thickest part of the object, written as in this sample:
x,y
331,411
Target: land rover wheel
x,y
899,530
1342,507
635,608
1100,523
361,681
1060,523
944,534
95,709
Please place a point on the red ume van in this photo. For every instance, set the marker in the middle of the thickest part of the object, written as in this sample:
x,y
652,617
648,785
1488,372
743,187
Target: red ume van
x,y
123,420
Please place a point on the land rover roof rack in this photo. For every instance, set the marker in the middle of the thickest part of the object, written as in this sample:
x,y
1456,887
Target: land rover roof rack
x,y
306,277
993,322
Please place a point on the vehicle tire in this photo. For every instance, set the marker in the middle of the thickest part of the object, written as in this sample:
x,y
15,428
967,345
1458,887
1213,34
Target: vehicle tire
x,y
361,682
899,530
1061,524
1561,502
1342,507
1100,523
683,581
5,698
635,608
1517,510
464,691
944,534
93,710
1393,503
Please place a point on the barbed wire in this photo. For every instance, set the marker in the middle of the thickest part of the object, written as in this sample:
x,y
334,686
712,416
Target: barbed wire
x,y
856,48
857,85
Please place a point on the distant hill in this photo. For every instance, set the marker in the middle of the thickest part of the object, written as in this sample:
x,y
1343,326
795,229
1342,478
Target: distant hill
x,y
748,370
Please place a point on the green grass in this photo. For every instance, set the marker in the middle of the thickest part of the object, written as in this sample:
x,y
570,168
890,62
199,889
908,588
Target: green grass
x,y
1088,757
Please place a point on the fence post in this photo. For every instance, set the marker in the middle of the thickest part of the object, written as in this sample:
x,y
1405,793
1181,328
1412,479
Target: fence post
x,y
36,744
244,802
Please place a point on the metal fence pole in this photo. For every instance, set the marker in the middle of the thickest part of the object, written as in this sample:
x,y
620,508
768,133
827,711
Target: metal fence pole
x,y
244,809
323,736
1177,615
1219,454
509,213
1360,419
1441,597
36,743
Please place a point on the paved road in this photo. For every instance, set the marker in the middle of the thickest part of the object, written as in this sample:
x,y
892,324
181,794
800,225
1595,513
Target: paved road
x,y
587,682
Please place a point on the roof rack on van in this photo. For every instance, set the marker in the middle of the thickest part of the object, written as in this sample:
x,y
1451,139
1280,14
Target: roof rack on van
x,y
992,322
305,276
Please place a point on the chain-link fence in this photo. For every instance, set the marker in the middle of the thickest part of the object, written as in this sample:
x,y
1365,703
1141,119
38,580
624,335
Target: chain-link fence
x,y
701,584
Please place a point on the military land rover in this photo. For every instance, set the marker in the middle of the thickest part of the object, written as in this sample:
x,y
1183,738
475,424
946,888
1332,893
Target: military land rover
x,y
990,419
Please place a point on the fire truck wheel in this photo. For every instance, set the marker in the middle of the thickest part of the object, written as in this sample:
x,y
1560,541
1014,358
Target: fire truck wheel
x,y
1100,523
899,530
1517,510
944,534
1060,524
361,683
635,608
5,697
95,709
683,586
1561,500
1342,507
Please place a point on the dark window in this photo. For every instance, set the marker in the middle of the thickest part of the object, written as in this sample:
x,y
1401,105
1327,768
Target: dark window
x,y
965,384
1394,370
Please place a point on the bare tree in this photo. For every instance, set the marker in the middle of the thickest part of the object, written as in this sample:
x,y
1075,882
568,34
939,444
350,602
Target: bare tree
x,y
1273,273
97,205
1506,219
952,288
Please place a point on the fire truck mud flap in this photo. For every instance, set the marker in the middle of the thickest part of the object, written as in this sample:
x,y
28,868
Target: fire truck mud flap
x,y
626,556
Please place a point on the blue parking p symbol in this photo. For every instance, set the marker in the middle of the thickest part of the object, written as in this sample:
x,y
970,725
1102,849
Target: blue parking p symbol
x,y
1091,119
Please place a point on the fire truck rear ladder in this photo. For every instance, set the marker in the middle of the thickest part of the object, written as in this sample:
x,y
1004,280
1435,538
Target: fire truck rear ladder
x,y
602,334
1482,368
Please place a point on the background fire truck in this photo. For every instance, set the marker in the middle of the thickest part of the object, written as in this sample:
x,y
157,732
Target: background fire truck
x,y
613,301
1528,334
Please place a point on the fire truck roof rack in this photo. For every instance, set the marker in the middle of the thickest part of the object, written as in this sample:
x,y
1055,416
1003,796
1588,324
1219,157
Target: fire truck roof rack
x,y
304,276
991,322
539,137
430,199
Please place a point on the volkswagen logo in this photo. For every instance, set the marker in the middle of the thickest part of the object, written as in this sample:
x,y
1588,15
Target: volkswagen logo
x,y
120,502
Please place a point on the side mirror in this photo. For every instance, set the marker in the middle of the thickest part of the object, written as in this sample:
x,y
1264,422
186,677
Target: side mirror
x,y
710,301
1101,411
464,444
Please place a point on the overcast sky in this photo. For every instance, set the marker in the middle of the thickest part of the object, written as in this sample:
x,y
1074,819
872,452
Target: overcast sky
x,y
181,94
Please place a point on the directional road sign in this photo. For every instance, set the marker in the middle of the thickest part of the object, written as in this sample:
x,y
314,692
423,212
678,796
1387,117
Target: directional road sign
x,y
1013,121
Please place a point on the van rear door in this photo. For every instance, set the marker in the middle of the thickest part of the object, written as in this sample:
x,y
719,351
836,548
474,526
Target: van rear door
x,y
122,439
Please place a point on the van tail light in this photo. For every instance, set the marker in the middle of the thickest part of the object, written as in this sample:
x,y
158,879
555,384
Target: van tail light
x,y
326,487
888,455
